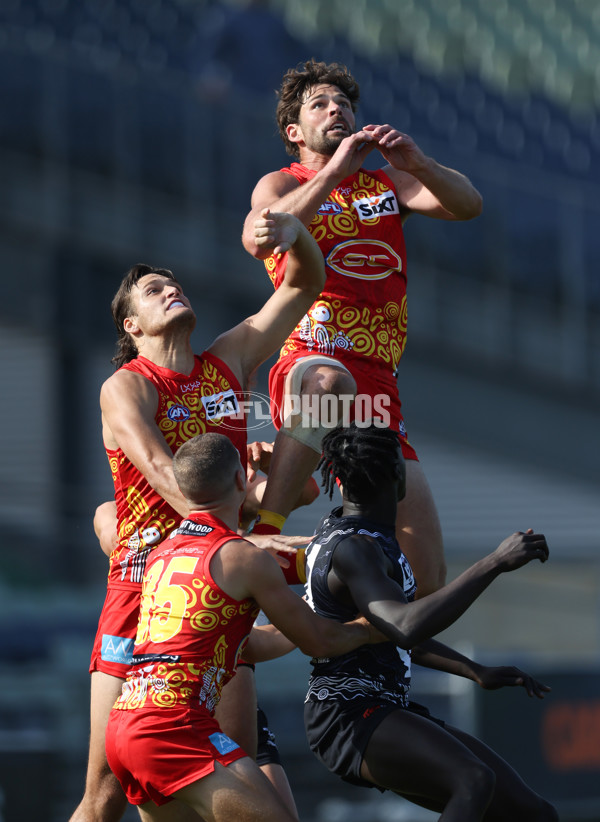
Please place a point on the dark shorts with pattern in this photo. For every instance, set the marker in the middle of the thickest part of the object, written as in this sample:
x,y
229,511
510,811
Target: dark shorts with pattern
x,y
338,732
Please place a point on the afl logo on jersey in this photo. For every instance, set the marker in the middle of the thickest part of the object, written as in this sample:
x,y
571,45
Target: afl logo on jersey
x,y
178,413
364,259
329,207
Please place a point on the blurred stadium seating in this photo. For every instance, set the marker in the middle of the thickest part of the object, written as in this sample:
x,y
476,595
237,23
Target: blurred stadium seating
x,y
117,89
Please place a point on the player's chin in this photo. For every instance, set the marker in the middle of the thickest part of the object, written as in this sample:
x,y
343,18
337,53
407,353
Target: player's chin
x,y
331,143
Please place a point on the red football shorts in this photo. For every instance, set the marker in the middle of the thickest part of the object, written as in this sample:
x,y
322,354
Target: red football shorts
x,y
117,627
376,396
154,753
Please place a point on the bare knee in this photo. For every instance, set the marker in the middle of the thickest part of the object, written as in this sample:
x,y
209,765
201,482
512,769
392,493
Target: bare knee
x,y
476,784
321,380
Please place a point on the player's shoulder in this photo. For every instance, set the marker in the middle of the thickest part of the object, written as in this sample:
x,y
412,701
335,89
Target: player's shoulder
x,y
113,382
239,549
126,385
355,549
241,560
123,376
277,182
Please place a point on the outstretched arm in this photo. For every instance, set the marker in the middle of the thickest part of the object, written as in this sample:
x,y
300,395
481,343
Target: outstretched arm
x,y
363,570
242,571
422,184
440,657
250,343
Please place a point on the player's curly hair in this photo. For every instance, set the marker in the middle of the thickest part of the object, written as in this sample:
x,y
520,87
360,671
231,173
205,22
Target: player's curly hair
x,y
295,85
362,459
120,307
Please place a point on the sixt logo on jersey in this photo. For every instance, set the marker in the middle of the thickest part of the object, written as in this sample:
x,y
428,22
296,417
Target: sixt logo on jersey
x,y
329,207
382,205
178,413
364,259
223,404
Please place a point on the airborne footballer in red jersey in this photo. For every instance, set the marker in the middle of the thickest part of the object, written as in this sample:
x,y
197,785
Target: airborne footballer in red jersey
x,y
340,363
360,316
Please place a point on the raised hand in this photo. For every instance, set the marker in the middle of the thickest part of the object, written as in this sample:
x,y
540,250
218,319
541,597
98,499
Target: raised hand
x,y
493,677
276,230
350,155
521,548
258,458
397,148
276,544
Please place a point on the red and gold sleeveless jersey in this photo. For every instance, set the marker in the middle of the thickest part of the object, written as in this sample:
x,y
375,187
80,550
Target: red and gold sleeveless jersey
x,y
209,399
191,634
360,316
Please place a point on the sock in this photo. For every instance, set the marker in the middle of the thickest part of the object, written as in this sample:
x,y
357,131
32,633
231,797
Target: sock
x,y
268,522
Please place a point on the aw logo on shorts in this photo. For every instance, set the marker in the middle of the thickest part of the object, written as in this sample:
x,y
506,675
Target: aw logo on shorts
x,y
223,743
364,259
178,413
117,649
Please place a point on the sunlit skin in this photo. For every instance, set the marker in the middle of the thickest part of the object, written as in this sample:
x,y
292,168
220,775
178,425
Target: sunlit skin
x,y
325,139
160,321
326,117
157,303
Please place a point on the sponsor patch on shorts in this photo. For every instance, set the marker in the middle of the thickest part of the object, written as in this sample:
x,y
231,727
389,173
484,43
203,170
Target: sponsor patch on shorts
x,y
223,743
117,649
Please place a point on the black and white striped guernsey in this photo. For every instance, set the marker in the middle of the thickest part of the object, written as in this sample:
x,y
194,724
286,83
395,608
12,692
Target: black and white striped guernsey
x,y
381,671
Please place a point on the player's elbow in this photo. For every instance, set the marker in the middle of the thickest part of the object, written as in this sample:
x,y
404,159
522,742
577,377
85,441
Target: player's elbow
x,y
313,290
259,252
407,634
256,251
309,280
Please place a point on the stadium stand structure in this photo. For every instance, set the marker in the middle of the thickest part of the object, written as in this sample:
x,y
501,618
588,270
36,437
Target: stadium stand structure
x,y
113,88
